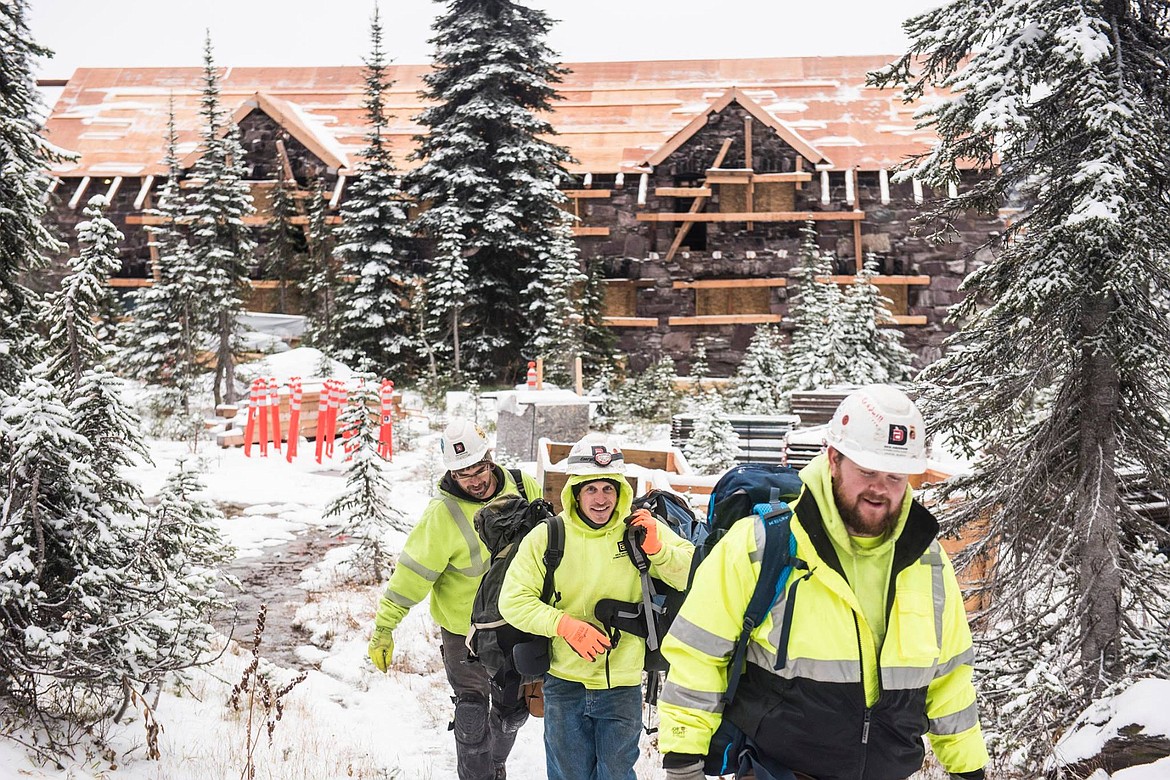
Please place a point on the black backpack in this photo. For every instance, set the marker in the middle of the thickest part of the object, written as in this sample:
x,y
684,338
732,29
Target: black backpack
x,y
658,599
501,525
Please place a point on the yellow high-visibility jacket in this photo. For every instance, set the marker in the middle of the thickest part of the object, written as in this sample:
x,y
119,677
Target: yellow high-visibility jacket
x,y
595,566
445,557
839,707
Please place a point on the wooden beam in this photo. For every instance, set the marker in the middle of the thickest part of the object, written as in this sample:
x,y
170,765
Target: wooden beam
x,y
587,193
150,219
120,282
858,255
333,201
725,319
908,319
799,172
747,163
590,231
77,193
630,322
696,206
891,280
143,191
759,216
285,165
700,284
796,177
114,185
683,192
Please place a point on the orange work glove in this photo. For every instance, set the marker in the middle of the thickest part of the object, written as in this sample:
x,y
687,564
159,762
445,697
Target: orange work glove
x,y
646,521
585,640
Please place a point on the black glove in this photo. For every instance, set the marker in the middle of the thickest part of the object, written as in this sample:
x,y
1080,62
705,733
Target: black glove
x,y
974,774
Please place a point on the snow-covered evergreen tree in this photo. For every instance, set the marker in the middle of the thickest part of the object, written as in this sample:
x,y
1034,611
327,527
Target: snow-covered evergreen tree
x,y
320,285
653,395
25,242
284,253
815,356
597,339
1059,379
759,384
73,345
445,291
363,508
158,341
190,552
870,352
700,369
373,320
557,324
713,444
489,175
221,243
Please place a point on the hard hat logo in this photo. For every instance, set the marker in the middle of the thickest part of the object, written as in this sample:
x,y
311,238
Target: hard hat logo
x,y
602,456
898,435
463,444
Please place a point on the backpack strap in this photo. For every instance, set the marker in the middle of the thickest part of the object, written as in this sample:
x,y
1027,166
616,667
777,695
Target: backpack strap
x,y
518,478
779,559
553,552
641,561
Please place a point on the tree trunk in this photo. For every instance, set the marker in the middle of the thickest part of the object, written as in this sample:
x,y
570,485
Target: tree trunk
x,y
226,360
1100,580
455,314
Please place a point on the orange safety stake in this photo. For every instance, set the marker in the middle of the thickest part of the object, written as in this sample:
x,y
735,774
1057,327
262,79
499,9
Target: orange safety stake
x,y
339,397
531,375
386,430
253,412
274,408
262,391
323,416
294,416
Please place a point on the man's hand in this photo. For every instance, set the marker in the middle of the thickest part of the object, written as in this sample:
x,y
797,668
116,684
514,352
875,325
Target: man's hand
x,y
644,520
381,648
586,640
689,772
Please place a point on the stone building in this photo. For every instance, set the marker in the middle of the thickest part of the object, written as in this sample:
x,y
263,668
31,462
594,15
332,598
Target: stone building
x,y
691,179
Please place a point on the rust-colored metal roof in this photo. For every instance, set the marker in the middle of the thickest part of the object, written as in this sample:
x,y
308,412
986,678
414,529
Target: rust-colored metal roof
x,y
614,115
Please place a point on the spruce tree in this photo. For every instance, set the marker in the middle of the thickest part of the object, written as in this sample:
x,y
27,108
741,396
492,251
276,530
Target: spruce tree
x,y
364,508
320,285
758,386
489,175
284,252
713,444
871,351
73,344
221,243
598,341
1058,380
158,341
373,319
25,242
815,356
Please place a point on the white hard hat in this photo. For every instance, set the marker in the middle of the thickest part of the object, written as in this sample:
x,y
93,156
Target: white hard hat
x,y
878,427
464,444
595,456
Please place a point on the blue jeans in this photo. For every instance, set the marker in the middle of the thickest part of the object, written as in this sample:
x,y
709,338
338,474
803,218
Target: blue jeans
x,y
588,734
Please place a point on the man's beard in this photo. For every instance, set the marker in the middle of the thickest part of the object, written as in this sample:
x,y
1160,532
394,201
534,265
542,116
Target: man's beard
x,y
859,526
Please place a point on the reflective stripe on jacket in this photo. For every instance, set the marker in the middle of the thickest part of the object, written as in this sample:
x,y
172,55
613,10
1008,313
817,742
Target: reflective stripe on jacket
x,y
815,714
595,566
444,557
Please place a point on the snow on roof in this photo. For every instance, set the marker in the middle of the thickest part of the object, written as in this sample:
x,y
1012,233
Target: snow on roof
x,y
610,109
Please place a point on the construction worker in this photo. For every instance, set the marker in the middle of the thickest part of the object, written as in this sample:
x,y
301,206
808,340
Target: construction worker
x,y
444,557
592,692
878,651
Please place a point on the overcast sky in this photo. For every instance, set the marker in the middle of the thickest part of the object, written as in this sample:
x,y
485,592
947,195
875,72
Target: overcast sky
x,y
113,33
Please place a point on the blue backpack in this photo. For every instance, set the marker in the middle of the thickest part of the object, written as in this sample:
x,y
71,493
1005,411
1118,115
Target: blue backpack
x,y
765,490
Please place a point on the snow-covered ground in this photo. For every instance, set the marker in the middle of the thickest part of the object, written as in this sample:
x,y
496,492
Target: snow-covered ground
x,y
346,719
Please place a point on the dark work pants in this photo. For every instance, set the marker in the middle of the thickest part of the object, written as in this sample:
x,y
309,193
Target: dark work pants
x,y
486,720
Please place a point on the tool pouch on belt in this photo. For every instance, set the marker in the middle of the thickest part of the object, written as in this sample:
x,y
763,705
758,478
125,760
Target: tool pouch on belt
x,y
533,693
